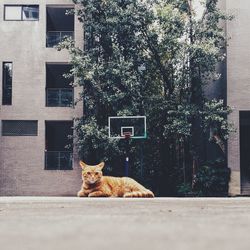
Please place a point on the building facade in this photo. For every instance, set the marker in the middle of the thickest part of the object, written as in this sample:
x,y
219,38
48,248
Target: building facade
x,y
238,95
36,101
234,88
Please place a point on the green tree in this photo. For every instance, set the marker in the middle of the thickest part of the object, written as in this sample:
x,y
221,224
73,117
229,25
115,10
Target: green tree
x,y
180,53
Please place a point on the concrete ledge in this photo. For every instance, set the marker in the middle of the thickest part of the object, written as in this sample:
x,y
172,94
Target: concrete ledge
x,y
63,223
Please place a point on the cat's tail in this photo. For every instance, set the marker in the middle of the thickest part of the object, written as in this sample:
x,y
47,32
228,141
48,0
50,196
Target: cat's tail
x,y
140,194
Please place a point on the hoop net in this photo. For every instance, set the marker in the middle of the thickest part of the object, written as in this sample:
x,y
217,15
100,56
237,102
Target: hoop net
x,y
127,135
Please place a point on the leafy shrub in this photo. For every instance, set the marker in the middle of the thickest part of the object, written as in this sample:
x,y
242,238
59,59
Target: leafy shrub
x,y
210,180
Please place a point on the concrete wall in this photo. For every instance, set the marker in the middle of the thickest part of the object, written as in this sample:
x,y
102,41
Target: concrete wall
x,y
238,80
22,157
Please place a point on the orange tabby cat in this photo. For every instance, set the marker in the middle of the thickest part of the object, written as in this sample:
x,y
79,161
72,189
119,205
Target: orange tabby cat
x,y
96,185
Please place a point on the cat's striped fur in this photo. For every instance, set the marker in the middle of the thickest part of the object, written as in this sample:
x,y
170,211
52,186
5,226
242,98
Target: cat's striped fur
x,y
97,185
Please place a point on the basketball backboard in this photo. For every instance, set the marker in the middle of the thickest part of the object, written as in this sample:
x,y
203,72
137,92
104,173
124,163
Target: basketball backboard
x,y
119,126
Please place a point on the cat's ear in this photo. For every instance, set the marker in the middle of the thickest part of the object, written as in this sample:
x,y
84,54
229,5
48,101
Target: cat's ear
x,y
82,164
101,165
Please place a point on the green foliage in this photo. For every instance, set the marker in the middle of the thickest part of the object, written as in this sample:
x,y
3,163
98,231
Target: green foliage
x,y
180,54
185,190
214,114
211,180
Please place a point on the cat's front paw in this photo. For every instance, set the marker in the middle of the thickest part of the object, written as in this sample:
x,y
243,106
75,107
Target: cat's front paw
x,y
91,195
97,194
81,194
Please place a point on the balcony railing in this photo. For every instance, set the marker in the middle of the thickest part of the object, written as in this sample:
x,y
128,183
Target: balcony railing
x,y
59,97
58,160
55,37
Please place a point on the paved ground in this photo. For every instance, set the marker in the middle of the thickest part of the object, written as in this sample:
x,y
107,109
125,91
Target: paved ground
x,y
107,223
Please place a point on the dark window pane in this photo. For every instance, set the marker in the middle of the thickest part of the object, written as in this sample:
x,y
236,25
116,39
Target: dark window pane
x,y
65,160
19,128
66,97
58,160
7,83
51,160
60,97
52,98
31,12
57,135
58,25
59,90
66,34
55,37
57,20
55,75
58,156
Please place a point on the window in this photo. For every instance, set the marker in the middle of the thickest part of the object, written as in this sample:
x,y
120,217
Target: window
x,y
30,12
58,25
61,97
244,131
19,128
58,146
59,91
21,12
7,83
13,13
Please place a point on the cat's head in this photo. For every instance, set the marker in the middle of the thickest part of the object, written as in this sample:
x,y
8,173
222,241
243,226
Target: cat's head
x,y
91,174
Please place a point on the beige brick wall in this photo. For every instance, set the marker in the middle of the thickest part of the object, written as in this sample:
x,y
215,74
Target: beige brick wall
x,y
22,158
238,80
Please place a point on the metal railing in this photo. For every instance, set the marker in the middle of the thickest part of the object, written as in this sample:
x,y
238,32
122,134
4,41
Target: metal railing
x,y
58,160
59,97
53,38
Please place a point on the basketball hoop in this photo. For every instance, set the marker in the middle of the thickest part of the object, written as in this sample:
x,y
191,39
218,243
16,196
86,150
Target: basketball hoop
x,y
127,127
127,135
120,125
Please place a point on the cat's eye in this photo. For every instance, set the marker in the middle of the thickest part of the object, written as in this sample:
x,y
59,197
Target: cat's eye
x,y
88,173
96,173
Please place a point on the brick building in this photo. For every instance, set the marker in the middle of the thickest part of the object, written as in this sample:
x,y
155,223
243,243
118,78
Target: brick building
x,y
36,102
238,91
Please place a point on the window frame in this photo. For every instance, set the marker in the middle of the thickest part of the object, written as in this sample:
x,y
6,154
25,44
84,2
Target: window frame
x,y
3,85
21,5
47,151
72,105
19,135
59,6
60,104
58,166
